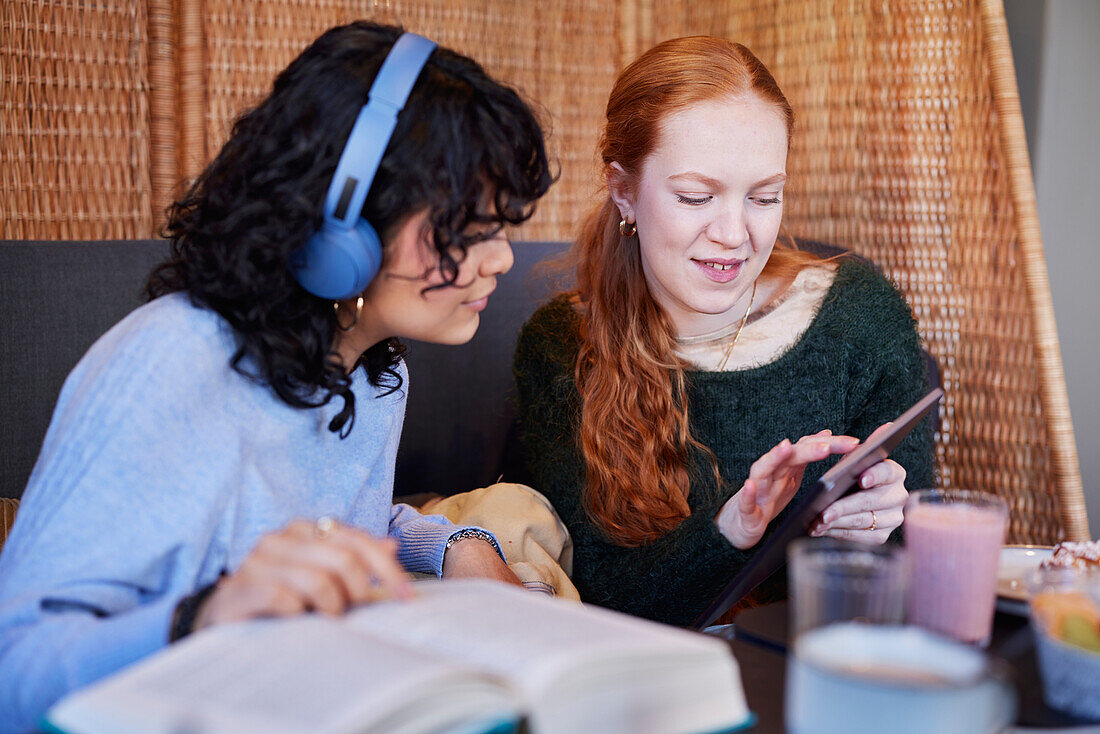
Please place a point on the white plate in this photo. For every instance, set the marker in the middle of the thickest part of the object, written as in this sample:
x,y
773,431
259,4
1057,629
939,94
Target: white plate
x,y
1017,563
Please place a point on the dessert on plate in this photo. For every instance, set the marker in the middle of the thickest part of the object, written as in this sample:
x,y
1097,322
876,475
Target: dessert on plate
x,y
1070,554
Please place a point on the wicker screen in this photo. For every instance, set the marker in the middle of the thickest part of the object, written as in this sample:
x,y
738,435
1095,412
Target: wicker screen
x,y
561,55
898,155
74,120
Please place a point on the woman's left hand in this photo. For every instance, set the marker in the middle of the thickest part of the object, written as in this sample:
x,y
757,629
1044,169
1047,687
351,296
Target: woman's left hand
x,y
870,515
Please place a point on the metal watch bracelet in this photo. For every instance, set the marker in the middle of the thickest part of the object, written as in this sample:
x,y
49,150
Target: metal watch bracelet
x,y
471,533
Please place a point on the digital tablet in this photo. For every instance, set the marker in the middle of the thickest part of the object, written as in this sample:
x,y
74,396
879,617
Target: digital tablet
x,y
832,485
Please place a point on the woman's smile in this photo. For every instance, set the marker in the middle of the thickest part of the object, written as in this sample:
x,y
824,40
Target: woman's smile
x,y
719,270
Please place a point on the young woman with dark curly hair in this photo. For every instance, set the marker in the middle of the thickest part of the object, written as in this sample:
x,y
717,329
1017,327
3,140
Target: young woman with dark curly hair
x,y
227,450
704,369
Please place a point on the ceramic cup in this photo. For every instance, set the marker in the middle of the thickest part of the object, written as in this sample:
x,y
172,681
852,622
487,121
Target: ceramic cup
x,y
853,677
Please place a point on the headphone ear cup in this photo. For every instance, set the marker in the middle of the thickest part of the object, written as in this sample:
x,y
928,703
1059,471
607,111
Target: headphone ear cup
x,y
369,250
338,263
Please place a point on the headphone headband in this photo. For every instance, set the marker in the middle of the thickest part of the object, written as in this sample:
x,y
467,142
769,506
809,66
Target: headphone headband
x,y
373,128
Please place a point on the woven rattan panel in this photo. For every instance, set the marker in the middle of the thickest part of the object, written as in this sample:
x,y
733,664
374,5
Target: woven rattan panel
x,y
897,156
561,54
74,119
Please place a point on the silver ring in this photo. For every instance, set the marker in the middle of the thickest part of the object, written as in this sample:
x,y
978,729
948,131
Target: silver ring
x,y
324,527
874,524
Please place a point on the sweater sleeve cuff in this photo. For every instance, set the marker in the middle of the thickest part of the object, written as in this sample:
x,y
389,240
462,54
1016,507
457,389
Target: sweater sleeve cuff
x,y
420,544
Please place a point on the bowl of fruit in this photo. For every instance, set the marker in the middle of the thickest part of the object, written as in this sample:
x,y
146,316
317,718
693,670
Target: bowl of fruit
x,y
1065,613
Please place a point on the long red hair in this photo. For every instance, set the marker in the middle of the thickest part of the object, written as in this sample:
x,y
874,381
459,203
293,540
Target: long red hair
x,y
635,433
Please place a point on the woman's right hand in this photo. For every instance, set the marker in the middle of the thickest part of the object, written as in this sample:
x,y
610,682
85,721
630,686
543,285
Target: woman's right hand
x,y
299,569
773,480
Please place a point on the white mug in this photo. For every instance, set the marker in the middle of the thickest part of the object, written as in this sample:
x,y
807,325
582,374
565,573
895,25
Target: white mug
x,y
854,677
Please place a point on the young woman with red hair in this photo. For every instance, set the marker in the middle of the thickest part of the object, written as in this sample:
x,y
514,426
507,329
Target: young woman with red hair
x,y
704,369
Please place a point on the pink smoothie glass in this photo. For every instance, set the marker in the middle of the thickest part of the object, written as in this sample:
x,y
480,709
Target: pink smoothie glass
x,y
954,539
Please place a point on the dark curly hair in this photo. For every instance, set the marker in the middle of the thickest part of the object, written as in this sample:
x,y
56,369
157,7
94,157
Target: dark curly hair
x,y
460,136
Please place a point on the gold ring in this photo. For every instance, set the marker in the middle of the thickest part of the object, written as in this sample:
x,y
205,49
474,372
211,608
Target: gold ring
x,y
873,523
324,527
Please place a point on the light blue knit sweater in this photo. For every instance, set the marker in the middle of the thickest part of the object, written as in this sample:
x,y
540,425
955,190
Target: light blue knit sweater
x,y
162,467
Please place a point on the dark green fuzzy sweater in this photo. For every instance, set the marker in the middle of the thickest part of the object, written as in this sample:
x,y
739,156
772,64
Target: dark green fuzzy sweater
x,y
857,366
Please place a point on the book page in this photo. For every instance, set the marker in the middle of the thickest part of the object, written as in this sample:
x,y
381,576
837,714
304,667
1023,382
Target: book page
x,y
520,635
306,674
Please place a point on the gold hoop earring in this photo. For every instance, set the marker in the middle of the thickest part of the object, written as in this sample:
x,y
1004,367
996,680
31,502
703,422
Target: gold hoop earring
x,y
627,229
354,321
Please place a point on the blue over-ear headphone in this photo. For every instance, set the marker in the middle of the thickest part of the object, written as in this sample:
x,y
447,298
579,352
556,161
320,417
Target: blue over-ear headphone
x,y
341,258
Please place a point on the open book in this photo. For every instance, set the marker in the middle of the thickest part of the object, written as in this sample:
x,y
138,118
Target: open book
x,y
464,656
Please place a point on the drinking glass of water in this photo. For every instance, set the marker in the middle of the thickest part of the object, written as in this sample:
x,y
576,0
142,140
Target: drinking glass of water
x,y
837,581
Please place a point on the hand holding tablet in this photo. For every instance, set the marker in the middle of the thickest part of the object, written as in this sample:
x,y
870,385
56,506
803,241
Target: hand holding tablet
x,y
833,484
874,507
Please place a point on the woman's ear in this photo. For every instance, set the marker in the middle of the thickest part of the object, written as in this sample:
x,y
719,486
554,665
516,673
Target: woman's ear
x,y
622,193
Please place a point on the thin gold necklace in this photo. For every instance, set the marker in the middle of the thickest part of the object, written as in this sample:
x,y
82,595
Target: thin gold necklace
x,y
737,334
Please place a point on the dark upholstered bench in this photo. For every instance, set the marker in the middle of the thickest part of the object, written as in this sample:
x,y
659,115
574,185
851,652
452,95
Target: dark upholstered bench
x,y
59,297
